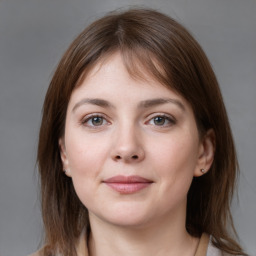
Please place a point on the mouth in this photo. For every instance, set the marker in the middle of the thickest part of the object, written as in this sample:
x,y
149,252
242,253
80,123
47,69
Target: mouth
x,y
127,184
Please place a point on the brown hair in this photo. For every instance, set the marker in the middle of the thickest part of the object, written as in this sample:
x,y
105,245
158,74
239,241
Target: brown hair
x,y
156,43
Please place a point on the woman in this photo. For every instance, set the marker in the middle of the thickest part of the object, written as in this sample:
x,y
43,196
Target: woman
x,y
135,153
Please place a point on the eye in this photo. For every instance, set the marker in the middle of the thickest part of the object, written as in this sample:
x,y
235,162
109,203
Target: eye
x,y
162,120
94,121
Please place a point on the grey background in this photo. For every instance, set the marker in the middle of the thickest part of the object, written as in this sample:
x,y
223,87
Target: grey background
x,y
34,35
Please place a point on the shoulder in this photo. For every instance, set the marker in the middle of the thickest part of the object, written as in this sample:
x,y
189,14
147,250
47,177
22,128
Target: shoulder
x,y
214,251
41,252
38,253
81,247
206,247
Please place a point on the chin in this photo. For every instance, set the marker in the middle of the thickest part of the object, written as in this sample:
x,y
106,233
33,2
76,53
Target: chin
x,y
127,221
125,216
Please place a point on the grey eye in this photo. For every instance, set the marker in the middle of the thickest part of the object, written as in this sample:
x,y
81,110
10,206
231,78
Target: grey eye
x,y
159,120
97,121
94,121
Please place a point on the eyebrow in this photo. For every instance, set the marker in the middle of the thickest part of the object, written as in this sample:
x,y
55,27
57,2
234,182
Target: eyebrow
x,y
97,102
160,101
142,104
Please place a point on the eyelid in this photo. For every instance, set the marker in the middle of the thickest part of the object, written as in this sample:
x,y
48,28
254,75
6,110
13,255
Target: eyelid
x,y
87,117
162,114
169,117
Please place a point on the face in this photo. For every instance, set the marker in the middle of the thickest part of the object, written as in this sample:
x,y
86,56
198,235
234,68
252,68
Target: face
x,y
131,147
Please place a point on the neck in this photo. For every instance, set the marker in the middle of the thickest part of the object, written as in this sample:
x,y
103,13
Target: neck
x,y
161,239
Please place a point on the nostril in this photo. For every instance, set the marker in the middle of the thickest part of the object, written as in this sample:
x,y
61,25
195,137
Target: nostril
x,y
134,157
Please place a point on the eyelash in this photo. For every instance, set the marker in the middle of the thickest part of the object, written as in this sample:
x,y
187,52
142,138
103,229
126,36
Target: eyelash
x,y
87,119
171,120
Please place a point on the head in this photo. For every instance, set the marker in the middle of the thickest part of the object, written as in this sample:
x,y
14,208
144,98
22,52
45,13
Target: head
x,y
153,44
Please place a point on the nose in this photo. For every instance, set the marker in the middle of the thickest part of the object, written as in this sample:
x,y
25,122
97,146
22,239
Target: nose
x,y
128,146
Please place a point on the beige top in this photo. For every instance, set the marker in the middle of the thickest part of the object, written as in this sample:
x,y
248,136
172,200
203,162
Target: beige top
x,y
205,248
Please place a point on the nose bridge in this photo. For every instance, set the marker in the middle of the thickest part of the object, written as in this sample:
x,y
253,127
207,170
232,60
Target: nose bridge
x,y
128,145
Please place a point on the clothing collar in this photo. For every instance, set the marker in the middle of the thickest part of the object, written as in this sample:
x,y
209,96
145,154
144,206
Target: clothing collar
x,y
203,245
82,249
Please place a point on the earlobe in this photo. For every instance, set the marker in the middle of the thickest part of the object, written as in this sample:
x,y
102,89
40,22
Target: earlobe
x,y
206,153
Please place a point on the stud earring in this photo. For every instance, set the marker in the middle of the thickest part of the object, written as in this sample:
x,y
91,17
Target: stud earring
x,y
203,171
65,171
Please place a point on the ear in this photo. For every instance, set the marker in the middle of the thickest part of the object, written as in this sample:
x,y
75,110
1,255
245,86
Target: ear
x,y
206,153
64,158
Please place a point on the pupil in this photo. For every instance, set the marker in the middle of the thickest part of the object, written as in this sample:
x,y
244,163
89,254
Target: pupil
x,y
159,120
97,121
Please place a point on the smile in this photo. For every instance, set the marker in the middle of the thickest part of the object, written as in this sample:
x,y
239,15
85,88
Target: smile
x,y
127,184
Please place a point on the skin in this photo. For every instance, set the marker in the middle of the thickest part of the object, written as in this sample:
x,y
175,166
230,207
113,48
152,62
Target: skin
x,y
130,133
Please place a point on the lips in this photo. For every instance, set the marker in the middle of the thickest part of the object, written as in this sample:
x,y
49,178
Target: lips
x,y
127,184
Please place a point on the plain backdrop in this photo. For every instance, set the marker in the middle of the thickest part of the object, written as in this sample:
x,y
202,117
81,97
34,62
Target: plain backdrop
x,y
33,37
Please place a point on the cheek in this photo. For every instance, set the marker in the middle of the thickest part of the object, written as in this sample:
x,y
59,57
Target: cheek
x,y
84,152
175,161
179,154
175,170
86,167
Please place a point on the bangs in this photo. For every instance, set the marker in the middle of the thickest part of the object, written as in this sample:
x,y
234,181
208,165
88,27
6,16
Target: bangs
x,y
144,65
141,64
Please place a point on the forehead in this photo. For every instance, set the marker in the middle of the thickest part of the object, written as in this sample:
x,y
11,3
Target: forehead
x,y
113,72
140,64
110,83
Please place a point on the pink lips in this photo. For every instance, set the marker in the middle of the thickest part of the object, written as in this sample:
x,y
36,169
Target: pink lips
x,y
127,184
